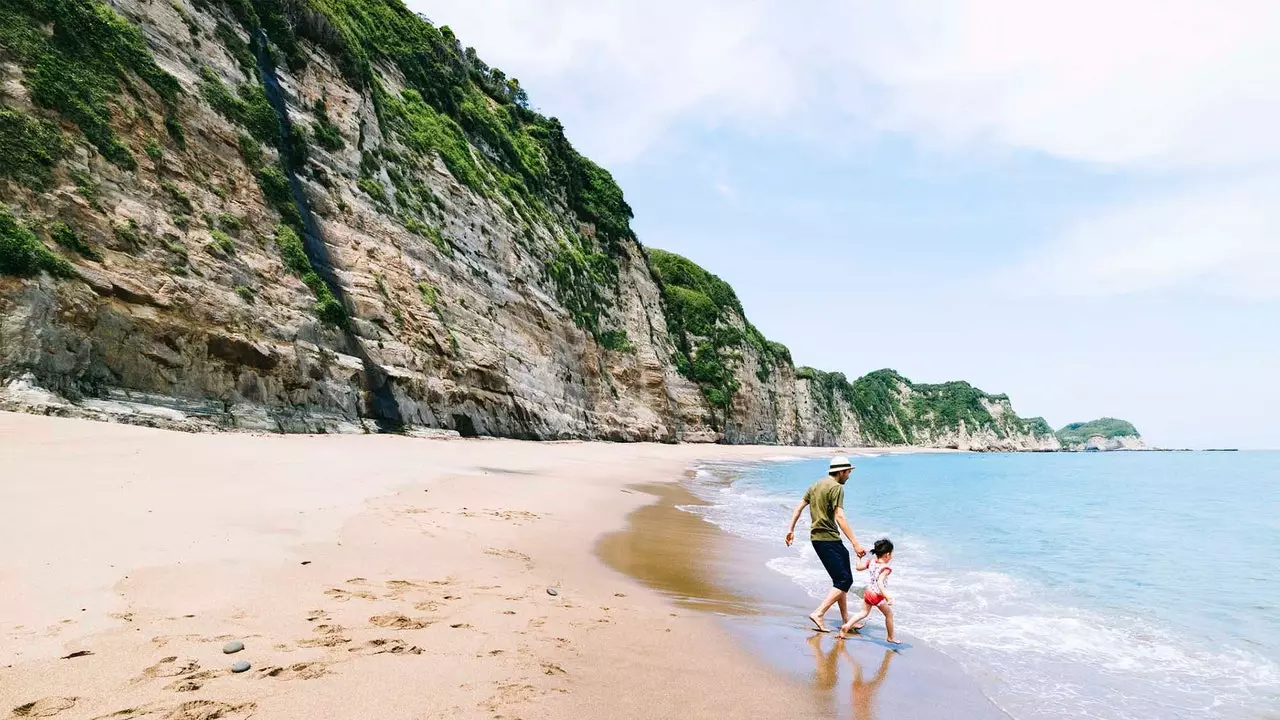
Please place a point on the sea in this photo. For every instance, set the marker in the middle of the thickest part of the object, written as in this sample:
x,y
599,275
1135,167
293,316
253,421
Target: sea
x,y
1119,586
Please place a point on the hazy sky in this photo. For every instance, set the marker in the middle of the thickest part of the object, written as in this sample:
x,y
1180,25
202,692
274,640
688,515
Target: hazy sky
x,y
1073,203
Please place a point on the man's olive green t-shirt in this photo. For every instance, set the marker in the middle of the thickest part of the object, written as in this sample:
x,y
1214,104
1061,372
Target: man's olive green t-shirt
x,y
824,497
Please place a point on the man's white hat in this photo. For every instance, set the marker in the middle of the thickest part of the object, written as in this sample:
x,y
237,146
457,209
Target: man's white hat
x,y
840,463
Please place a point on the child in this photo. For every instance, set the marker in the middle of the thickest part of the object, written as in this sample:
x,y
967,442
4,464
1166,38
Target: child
x,y
876,595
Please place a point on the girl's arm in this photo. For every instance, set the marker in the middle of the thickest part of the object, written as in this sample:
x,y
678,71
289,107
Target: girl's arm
x,y
884,587
864,562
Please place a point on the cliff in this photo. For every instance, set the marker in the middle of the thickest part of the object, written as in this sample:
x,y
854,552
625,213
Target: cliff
x,y
1102,434
329,215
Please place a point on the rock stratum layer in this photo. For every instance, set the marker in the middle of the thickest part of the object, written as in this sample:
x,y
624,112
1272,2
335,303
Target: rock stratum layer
x,y
329,215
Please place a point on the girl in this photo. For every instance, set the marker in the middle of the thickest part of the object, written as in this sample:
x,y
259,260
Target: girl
x,y
876,594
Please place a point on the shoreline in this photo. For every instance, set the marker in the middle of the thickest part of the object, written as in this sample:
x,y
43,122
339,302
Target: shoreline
x,y
366,576
702,567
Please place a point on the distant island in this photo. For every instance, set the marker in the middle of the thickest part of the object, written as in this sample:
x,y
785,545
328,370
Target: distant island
x,y
1103,434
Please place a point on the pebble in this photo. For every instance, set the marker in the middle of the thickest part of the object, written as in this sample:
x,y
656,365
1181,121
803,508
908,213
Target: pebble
x,y
234,646
239,667
553,592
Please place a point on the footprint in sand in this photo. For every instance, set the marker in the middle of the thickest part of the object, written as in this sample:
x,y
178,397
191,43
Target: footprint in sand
x,y
392,646
169,667
400,588
427,606
192,682
509,694
515,517
45,707
396,621
327,636
342,595
511,555
297,671
192,710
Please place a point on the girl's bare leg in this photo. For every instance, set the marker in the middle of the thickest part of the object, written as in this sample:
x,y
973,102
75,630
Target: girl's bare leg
x,y
866,610
888,622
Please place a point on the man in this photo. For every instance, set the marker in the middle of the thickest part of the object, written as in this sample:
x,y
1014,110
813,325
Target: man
x,y
825,499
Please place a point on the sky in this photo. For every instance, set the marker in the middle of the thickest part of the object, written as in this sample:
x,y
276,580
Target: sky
x,y
1071,203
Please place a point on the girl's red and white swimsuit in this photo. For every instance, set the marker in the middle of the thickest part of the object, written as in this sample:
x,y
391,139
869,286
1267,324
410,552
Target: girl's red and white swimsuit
x,y
879,575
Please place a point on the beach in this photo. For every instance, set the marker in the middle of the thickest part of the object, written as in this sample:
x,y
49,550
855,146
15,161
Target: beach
x,y
366,576
371,576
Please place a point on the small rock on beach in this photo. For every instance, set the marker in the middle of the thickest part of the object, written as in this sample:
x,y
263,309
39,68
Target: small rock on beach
x,y
239,667
234,646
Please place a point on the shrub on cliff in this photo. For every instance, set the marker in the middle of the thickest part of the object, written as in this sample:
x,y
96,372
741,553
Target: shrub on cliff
x,y
22,254
28,148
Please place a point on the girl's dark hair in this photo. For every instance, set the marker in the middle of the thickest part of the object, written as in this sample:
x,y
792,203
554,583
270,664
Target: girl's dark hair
x,y
883,547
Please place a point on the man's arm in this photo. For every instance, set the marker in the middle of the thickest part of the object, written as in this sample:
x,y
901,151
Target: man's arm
x,y
844,525
795,518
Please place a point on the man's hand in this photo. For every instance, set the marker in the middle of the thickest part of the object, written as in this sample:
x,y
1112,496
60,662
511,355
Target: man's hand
x,y
857,547
791,537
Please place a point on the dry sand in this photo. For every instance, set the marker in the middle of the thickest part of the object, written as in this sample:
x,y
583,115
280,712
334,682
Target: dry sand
x,y
368,576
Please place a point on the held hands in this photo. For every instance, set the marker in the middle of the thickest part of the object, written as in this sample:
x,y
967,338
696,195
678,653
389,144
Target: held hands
x,y
857,548
791,537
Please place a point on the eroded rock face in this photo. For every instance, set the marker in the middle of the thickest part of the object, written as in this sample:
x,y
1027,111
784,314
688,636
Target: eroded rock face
x,y
187,315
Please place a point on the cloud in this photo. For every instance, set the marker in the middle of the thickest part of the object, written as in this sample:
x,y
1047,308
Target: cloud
x,y
1131,83
621,74
1136,83
1223,239
1159,90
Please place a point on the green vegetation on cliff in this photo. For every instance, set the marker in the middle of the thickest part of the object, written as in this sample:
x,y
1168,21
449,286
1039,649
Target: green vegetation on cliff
x,y
28,148
710,330
295,259
890,409
22,254
77,56
1079,433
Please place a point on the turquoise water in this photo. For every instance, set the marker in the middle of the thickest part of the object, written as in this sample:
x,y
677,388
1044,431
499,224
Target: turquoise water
x,y
1117,585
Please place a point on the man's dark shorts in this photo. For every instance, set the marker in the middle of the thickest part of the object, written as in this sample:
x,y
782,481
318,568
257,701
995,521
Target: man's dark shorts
x,y
835,558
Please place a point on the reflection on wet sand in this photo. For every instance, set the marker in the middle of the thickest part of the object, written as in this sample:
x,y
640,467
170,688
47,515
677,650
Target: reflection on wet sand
x,y
826,675
675,552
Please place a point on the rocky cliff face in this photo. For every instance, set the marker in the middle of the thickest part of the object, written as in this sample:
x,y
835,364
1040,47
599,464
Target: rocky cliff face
x,y
324,215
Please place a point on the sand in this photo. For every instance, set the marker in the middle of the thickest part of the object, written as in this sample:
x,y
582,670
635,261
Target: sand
x,y
368,576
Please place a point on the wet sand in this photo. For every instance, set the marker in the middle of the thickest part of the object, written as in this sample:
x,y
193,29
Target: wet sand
x,y
368,576
702,567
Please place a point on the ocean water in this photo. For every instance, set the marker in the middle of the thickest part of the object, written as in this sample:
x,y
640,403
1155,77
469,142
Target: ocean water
x,y
1126,586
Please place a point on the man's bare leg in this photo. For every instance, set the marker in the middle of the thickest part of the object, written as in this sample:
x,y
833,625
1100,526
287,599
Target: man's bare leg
x,y
836,595
843,602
